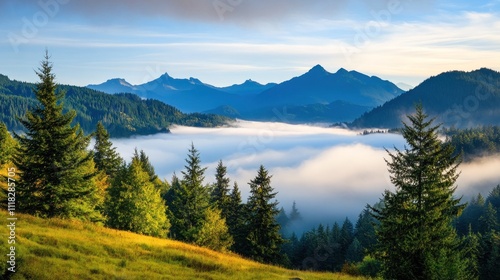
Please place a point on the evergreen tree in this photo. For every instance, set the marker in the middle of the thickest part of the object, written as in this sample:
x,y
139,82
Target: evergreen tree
x,y
236,220
365,230
488,221
263,231
214,233
190,199
416,237
105,156
135,204
354,252
220,190
148,167
56,171
295,214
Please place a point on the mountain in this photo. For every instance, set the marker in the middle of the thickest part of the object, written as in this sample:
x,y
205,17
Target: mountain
x,y
69,249
249,87
189,95
113,86
122,114
456,98
321,86
315,91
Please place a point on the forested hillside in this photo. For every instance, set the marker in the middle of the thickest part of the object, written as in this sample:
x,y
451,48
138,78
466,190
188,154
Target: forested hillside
x,y
456,98
122,114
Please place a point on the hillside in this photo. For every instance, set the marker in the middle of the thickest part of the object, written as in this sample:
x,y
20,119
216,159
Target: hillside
x,y
458,99
122,114
61,249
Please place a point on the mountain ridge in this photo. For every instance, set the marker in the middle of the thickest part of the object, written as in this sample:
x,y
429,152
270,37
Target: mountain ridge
x,y
253,100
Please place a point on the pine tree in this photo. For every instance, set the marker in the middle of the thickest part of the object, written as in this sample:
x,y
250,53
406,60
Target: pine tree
x,y
190,199
105,156
220,191
56,171
135,204
214,233
236,220
416,237
263,231
295,214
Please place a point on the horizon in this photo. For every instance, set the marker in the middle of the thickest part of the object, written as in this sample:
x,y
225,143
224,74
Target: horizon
x,y
223,43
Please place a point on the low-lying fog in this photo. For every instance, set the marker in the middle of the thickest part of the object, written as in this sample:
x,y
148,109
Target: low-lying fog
x,y
330,173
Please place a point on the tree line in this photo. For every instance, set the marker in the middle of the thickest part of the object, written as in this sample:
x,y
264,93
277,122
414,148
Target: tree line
x,y
414,232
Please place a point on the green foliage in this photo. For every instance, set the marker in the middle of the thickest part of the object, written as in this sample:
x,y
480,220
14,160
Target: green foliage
x,y
105,156
188,199
474,142
56,170
214,233
264,239
122,115
7,144
416,237
135,204
219,197
236,220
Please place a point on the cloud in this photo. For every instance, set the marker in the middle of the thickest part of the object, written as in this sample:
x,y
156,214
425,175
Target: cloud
x,y
330,173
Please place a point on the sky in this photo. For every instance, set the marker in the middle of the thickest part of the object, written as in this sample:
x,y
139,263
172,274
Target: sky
x,y
225,42
330,173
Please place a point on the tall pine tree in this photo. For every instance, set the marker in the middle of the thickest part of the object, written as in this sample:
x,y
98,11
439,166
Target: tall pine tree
x,y
220,190
236,220
189,199
416,237
57,172
105,156
263,236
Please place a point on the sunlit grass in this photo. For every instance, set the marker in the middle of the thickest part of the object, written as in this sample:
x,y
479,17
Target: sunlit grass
x,y
62,249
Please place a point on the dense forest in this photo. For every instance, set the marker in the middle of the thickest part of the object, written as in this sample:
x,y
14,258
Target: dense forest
x,y
474,142
419,231
122,114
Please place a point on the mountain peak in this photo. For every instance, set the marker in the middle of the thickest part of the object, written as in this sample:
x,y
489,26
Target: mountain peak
x,y
317,70
342,71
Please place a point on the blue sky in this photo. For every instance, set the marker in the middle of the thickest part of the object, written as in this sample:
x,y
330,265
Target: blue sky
x,y
223,42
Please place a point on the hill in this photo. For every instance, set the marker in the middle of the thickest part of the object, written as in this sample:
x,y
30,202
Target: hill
x,y
457,98
311,97
62,249
122,114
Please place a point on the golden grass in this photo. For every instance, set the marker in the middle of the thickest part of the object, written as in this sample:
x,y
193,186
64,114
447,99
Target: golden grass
x,y
63,249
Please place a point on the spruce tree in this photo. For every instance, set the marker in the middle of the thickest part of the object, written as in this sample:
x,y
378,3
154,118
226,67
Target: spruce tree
x,y
189,199
220,190
236,220
263,231
135,204
56,171
105,156
416,237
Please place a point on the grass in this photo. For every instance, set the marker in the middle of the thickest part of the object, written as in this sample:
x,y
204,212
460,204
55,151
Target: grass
x,y
64,249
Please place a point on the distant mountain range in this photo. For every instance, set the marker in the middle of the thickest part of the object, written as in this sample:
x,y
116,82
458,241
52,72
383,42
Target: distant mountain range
x,y
316,96
122,114
456,98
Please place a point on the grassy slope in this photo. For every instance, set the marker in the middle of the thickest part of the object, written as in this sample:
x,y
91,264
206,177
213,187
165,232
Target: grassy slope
x,y
62,249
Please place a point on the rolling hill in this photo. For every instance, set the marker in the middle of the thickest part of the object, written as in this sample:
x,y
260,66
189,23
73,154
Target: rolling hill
x,y
63,249
456,98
